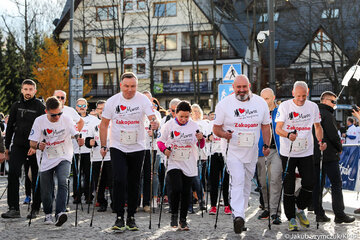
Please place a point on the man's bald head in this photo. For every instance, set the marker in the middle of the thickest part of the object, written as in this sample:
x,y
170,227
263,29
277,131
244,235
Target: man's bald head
x,y
242,79
268,95
241,88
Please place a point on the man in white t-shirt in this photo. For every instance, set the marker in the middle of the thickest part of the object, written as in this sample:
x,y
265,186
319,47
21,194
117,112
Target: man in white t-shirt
x,y
239,119
301,115
51,133
127,111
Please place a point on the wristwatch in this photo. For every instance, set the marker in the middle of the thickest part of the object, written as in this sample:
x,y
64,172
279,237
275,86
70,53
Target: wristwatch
x,y
104,147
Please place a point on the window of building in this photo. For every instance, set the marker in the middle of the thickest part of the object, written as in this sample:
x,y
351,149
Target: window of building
x,y
165,9
264,17
207,41
108,80
165,76
330,13
178,76
203,75
106,13
276,44
93,77
141,4
166,42
83,47
128,68
140,69
321,42
128,5
128,53
140,52
105,44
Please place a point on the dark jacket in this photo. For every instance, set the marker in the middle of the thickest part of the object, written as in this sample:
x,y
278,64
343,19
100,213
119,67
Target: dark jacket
x,y
21,118
331,137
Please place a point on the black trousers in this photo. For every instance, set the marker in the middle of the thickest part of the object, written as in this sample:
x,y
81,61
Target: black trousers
x,y
216,172
146,180
18,156
332,171
105,181
305,166
27,179
180,191
126,169
85,165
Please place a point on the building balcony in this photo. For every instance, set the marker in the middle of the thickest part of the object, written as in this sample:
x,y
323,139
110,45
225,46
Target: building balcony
x,y
87,59
207,54
181,88
101,90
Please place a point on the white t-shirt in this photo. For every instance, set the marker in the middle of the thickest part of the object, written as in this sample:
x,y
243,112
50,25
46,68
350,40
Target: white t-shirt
x,y
183,143
58,140
147,137
245,120
89,121
71,113
128,121
352,131
301,118
215,144
204,128
94,132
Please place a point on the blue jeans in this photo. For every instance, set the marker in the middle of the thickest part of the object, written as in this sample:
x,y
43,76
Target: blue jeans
x,y
47,187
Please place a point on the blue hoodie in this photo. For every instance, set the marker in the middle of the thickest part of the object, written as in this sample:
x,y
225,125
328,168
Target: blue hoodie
x,y
277,138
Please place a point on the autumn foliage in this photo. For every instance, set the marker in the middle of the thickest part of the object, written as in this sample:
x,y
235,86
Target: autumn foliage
x,y
51,72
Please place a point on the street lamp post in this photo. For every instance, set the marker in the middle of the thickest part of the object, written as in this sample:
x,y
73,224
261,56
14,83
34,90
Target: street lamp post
x,y
271,44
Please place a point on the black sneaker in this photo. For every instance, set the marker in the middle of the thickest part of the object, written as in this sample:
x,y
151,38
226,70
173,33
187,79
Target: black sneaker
x,y
344,219
183,225
264,215
276,219
131,225
174,221
322,218
202,205
33,214
61,218
12,213
77,200
119,225
239,224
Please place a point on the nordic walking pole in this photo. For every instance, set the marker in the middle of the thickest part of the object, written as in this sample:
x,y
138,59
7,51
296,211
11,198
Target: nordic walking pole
x,y
4,192
90,186
221,183
163,190
199,149
284,175
208,167
97,190
320,185
78,187
37,180
267,191
151,171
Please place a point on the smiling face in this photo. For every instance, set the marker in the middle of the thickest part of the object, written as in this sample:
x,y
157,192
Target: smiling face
x,y
300,94
81,107
183,116
241,87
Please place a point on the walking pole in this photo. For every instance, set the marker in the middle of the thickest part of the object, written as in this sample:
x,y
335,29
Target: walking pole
x,y
221,183
284,175
267,191
97,190
151,171
320,185
90,186
208,174
37,181
163,190
78,187
199,164
4,192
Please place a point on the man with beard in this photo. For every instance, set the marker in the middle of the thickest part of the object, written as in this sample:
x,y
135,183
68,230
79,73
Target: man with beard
x,y
22,115
239,119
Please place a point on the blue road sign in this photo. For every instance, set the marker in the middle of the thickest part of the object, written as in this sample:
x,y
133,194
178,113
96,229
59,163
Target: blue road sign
x,y
224,90
230,71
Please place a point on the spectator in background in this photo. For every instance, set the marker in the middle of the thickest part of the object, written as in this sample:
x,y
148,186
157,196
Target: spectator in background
x,y
351,135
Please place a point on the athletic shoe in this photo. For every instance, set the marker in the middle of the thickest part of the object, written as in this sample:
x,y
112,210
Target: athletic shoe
x,y
61,218
202,206
183,225
147,209
33,214
48,219
119,225
303,219
227,210
344,219
276,219
12,213
293,225
131,225
174,220
77,200
238,225
212,211
322,218
27,200
97,204
190,209
357,211
264,215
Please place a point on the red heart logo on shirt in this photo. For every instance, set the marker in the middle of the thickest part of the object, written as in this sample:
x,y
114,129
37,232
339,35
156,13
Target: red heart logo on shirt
x,y
49,131
176,133
241,110
122,107
296,114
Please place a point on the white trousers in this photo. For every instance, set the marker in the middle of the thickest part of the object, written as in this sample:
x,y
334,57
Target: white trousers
x,y
239,184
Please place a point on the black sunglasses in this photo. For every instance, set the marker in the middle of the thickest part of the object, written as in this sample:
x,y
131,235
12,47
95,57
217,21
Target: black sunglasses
x,y
332,101
56,114
60,97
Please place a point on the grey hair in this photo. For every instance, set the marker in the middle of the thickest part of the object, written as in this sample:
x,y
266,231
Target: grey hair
x,y
60,91
301,84
267,89
82,99
174,102
147,92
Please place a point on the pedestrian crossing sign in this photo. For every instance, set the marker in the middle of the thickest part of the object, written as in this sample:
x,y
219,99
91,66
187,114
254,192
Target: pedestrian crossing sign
x,y
230,71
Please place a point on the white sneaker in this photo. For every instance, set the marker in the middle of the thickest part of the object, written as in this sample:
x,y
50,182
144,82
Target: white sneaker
x,y
61,218
48,219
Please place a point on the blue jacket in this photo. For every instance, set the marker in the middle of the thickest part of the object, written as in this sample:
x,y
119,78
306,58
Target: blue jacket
x,y
277,138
